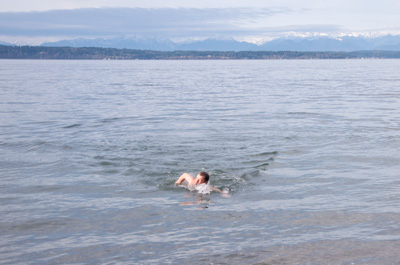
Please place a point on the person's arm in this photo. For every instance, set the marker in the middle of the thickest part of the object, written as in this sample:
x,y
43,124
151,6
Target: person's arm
x,y
223,193
183,177
215,189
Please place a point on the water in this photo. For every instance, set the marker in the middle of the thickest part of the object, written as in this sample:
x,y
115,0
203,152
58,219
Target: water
x,y
309,151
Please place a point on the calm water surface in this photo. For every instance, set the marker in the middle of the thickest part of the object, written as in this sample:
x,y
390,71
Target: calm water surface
x,y
309,151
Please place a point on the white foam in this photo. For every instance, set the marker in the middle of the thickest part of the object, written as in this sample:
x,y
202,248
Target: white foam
x,y
203,188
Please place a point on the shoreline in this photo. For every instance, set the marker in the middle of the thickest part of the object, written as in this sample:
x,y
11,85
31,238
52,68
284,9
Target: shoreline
x,y
92,53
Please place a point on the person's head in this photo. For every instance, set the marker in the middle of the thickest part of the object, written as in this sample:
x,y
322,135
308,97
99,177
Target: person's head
x,y
202,177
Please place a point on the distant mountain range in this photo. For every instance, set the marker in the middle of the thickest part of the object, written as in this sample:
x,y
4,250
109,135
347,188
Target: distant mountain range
x,y
6,43
317,44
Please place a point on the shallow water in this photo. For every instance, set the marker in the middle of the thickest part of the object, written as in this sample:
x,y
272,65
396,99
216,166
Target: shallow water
x,y
309,151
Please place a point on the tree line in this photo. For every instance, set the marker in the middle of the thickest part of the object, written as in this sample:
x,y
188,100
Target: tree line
x,y
90,53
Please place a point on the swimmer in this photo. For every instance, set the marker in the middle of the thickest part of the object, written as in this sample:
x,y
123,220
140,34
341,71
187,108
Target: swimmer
x,y
202,178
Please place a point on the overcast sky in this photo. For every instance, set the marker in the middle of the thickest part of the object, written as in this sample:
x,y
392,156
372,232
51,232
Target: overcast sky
x,y
33,21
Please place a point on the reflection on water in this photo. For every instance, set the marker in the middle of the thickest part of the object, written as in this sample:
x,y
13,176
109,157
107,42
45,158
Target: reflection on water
x,y
200,200
307,151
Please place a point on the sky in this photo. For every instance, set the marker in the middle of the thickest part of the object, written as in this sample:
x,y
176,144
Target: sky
x,y
36,21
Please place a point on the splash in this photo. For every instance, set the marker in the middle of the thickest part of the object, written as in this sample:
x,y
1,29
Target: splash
x,y
205,189
201,188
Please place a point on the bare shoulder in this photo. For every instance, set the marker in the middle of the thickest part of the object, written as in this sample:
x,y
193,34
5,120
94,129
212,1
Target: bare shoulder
x,y
187,177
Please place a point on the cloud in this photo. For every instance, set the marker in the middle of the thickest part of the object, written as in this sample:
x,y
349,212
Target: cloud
x,y
251,24
159,22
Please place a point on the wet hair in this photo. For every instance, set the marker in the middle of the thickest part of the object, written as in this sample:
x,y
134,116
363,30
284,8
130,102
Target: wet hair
x,y
205,176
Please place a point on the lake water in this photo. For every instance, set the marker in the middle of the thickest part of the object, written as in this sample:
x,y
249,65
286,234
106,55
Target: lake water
x,y
309,151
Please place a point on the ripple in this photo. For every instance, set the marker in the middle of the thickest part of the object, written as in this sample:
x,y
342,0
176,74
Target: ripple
x,y
307,149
